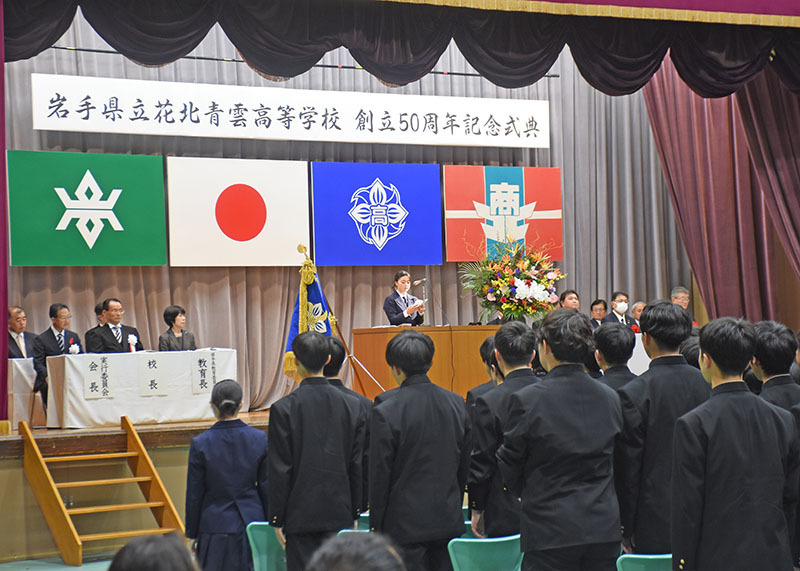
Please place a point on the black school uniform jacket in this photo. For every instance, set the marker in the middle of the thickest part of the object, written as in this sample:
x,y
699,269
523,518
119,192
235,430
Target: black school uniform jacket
x,y
735,476
487,492
316,445
781,391
419,453
557,455
617,377
651,404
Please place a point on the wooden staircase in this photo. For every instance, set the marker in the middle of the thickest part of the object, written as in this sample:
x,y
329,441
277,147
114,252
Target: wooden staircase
x,y
60,517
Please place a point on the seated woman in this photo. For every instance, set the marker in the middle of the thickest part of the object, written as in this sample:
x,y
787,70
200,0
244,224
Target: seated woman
x,y
226,485
175,338
401,307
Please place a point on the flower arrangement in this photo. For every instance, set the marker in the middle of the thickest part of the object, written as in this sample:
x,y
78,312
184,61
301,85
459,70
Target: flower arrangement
x,y
515,281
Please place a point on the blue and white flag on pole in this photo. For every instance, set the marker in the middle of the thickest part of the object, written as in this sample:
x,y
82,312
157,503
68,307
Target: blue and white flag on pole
x,y
377,214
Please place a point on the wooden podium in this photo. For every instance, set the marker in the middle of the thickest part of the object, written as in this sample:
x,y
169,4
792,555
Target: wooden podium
x,y
457,364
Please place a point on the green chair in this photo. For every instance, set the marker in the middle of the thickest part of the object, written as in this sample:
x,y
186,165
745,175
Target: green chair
x,y
632,562
343,531
468,534
363,521
268,554
497,554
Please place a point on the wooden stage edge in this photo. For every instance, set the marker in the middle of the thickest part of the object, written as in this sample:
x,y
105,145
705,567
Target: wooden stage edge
x,y
87,440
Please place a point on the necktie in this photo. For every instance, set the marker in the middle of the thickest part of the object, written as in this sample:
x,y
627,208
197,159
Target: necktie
x,y
118,333
21,343
61,341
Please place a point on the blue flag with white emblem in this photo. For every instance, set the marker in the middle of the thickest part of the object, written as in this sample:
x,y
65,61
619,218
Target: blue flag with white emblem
x,y
376,214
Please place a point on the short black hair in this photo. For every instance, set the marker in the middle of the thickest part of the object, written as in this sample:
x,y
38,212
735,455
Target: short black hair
x,y
568,334
355,551
615,341
565,293
690,348
599,302
336,347
516,343
55,308
667,323
312,350
107,301
14,309
776,347
730,343
400,274
615,294
487,350
154,553
98,309
411,352
227,397
171,313
493,363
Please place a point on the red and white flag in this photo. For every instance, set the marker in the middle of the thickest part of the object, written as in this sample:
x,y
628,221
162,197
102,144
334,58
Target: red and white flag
x,y
237,212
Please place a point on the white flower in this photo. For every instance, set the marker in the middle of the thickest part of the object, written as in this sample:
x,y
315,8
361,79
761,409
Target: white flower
x,y
132,339
74,349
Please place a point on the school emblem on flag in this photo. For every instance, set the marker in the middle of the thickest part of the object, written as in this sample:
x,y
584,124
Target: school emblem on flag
x,y
486,206
86,209
378,213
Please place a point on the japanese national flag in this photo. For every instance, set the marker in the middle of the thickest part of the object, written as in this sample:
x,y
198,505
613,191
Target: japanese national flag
x,y
237,212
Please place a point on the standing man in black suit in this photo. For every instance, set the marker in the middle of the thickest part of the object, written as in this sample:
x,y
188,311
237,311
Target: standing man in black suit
x,y
400,307
558,455
651,403
20,342
496,511
55,340
113,337
775,350
736,466
418,458
316,438
619,310
614,342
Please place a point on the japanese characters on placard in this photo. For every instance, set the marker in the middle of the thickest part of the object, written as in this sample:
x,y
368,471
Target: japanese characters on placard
x,y
152,381
97,379
107,105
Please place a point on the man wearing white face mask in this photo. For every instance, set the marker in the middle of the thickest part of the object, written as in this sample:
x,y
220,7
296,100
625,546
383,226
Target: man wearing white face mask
x,y
619,310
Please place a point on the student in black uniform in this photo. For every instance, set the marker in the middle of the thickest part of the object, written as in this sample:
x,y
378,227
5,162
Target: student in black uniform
x,y
735,468
651,403
316,438
615,344
558,452
486,350
495,511
418,458
776,347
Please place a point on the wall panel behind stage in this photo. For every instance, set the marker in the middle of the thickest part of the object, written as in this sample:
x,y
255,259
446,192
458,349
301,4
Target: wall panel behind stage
x,y
619,231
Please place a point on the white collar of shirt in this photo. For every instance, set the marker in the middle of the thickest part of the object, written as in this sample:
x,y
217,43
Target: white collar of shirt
x,y
620,318
16,336
113,326
55,331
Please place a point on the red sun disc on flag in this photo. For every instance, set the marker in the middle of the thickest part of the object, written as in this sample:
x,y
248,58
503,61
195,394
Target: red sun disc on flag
x,y
241,213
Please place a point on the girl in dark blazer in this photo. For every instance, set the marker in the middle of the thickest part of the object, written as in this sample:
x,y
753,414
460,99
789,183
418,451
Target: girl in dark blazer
x,y
400,306
226,486
175,338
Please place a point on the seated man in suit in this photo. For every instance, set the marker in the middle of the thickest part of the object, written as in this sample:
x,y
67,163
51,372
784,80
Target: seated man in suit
x,y
101,320
619,309
56,340
599,309
614,343
776,347
20,342
113,337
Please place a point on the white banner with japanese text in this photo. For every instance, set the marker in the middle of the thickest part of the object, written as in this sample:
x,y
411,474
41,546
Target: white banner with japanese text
x,y
128,106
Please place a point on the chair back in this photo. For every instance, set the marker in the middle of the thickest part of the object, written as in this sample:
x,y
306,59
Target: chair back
x,y
363,521
497,554
633,562
268,554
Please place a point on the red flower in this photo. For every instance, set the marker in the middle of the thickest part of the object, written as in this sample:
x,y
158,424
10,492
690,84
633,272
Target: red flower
x,y
635,328
503,299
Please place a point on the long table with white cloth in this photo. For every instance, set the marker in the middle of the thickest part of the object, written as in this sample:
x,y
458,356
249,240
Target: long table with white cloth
x,y
96,389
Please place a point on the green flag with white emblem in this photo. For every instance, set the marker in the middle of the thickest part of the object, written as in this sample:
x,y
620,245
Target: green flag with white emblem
x,y
86,209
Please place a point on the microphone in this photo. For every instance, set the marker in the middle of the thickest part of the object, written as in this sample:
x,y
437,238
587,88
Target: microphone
x,y
417,282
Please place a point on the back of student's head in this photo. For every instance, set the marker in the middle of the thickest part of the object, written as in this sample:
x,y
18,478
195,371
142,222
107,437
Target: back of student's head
x,y
730,343
666,323
411,352
615,341
776,347
154,553
336,348
568,334
356,552
312,350
227,397
690,348
516,343
487,350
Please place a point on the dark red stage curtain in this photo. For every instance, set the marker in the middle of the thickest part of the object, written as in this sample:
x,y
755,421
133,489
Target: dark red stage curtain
x,y
717,201
771,118
3,229
400,43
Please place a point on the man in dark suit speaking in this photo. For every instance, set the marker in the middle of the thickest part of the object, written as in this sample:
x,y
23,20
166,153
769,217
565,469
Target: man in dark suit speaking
x,y
113,337
56,340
